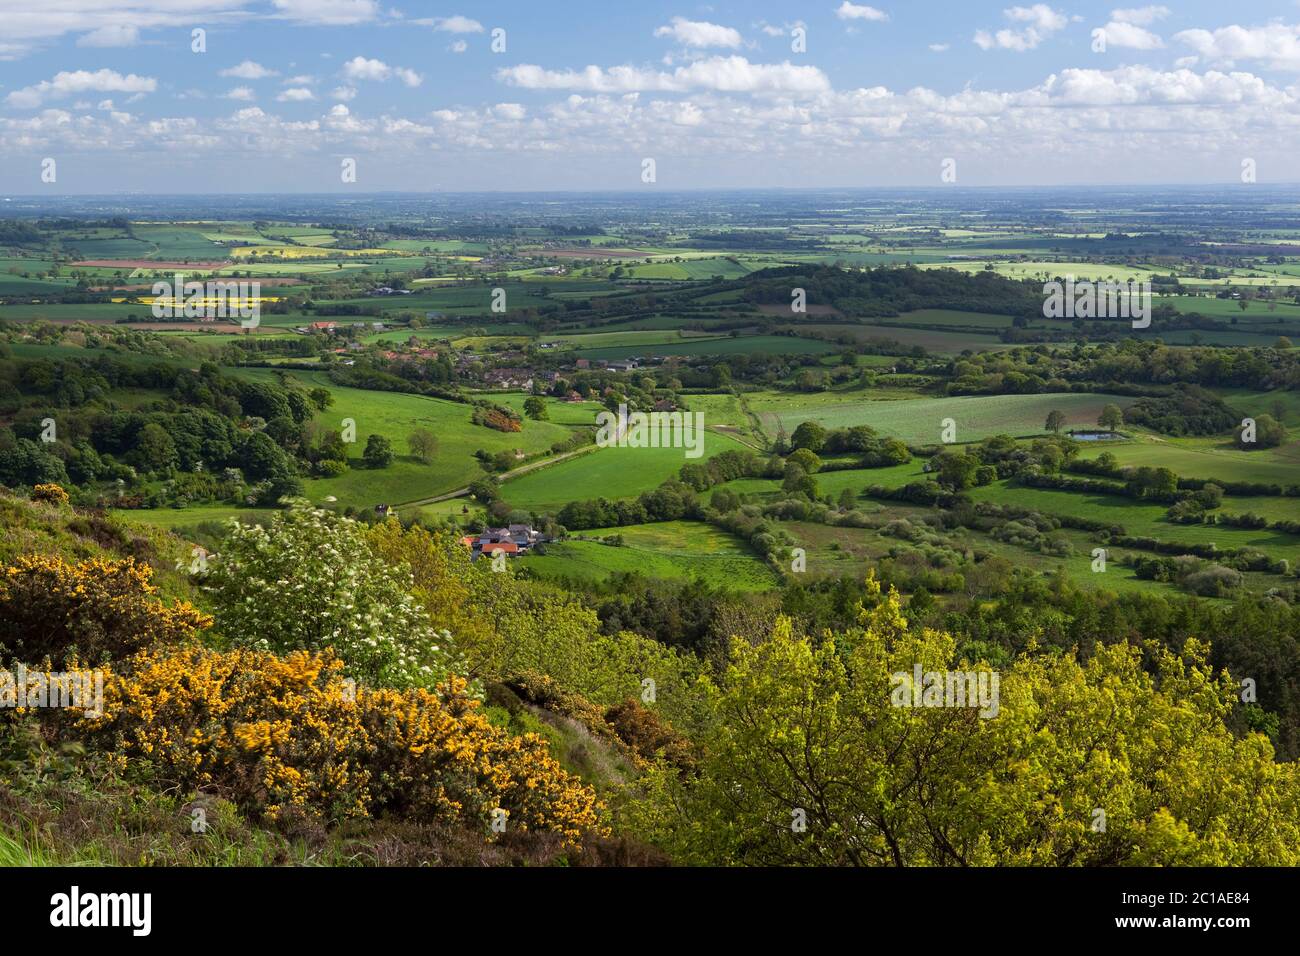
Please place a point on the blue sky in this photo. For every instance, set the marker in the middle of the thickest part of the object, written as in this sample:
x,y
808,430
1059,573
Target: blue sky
x,y
584,92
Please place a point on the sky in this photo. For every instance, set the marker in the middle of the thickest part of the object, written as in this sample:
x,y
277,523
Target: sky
x,y
252,96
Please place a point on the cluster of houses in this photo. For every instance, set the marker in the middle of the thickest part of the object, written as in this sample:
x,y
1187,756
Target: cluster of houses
x,y
516,374
512,540
331,328
621,365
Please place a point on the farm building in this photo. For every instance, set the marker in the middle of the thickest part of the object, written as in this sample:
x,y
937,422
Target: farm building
x,y
513,540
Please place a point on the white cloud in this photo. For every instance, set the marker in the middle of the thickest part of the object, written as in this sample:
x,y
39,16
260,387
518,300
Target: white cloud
x,y
733,74
106,22
1276,45
111,35
458,46
457,24
699,33
1125,28
1042,21
688,114
940,47
405,128
302,79
1132,122
1123,34
341,119
297,94
361,68
241,93
249,70
80,81
856,11
1140,16
1143,85
344,93
328,12
1040,16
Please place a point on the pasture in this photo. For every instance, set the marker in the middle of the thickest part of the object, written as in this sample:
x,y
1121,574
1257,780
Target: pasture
x,y
606,473
395,415
737,345
670,550
920,421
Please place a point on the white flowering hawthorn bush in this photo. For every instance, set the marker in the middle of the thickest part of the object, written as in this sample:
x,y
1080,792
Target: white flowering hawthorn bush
x,y
309,581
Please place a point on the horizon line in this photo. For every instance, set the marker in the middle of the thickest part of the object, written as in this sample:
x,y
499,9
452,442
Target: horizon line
x,y
944,187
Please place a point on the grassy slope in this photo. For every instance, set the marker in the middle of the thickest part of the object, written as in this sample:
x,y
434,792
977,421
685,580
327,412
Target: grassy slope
x,y
1208,458
396,415
672,550
1142,519
608,472
920,420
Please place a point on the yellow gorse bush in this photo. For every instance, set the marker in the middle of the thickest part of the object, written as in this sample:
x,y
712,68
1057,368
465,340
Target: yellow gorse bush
x,y
99,608
51,492
289,732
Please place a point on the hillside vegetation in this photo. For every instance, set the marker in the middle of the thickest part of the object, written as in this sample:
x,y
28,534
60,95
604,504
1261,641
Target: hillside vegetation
x,y
482,718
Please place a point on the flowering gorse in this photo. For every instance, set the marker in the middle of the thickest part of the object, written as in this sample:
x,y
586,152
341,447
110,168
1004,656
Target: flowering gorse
x,y
281,733
100,608
51,493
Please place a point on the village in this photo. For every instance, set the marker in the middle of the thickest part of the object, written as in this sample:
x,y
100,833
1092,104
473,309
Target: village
x,y
502,369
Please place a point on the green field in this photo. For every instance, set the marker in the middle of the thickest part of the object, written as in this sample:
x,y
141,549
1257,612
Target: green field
x,y
183,519
605,473
739,345
1208,458
920,420
670,550
1140,518
940,341
396,415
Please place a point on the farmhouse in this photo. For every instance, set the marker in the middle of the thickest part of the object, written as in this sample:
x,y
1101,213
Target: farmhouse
x,y
514,540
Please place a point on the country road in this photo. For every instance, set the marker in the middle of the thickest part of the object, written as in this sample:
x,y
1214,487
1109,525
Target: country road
x,y
504,476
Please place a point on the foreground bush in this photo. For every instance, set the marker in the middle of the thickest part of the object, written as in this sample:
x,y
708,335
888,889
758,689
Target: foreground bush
x,y
97,609
1085,763
279,734
50,493
311,582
